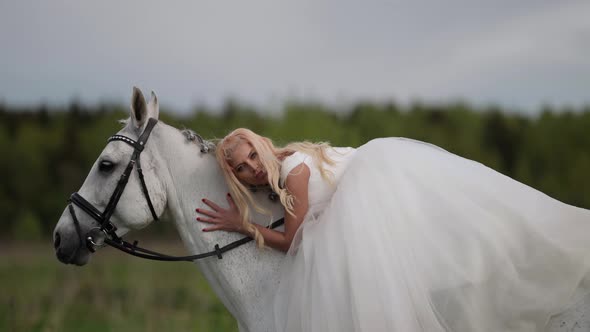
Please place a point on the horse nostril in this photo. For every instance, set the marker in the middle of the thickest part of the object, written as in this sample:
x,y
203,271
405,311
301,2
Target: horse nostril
x,y
56,241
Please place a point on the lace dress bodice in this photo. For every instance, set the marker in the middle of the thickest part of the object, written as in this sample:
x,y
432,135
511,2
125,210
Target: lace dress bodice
x,y
320,190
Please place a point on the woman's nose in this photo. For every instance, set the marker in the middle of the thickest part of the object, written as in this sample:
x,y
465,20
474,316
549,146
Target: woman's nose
x,y
252,165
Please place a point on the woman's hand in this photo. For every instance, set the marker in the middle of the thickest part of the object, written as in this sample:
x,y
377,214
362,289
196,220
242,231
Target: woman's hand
x,y
222,219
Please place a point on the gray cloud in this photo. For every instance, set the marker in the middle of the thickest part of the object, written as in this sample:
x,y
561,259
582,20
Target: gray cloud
x,y
515,54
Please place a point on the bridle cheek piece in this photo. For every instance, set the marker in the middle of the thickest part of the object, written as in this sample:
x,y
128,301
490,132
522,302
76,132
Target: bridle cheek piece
x,y
103,218
106,232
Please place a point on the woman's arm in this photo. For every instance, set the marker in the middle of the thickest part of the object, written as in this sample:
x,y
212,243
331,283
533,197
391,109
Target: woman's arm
x,y
296,183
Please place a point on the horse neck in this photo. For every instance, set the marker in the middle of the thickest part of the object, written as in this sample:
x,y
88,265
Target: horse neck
x,y
189,176
240,278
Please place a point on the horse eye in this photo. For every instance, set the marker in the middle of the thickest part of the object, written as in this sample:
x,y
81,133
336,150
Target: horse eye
x,y
106,166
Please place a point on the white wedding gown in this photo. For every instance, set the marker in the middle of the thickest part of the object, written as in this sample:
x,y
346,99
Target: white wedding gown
x,y
410,237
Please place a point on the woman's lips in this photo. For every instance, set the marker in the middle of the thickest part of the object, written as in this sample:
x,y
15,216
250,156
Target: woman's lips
x,y
259,175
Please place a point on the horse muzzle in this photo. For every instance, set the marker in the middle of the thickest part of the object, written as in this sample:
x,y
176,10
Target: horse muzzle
x,y
69,247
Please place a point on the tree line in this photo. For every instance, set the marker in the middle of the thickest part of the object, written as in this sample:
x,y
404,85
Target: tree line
x,y
47,152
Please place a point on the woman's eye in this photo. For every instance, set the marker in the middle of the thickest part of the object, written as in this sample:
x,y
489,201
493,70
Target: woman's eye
x,y
106,166
239,168
254,155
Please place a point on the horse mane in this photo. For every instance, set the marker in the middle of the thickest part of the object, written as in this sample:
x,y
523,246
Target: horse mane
x,y
189,134
192,136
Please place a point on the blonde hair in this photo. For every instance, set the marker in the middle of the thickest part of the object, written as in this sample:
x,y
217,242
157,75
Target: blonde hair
x,y
271,159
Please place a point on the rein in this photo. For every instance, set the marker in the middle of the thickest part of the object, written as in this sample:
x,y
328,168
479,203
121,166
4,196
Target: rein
x,y
134,250
106,233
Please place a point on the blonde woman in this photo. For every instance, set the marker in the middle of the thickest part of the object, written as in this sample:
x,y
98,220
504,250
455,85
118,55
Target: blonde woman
x,y
400,235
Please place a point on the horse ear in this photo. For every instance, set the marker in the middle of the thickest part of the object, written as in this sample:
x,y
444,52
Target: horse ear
x,y
139,111
153,107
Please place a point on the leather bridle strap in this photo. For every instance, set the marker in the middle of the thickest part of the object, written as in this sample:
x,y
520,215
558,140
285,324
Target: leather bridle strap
x,y
103,218
135,160
78,231
134,250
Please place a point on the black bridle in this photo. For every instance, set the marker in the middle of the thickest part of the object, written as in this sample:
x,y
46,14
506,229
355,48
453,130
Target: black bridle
x,y
106,233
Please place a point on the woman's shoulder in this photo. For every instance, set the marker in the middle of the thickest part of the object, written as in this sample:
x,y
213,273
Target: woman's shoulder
x,y
293,160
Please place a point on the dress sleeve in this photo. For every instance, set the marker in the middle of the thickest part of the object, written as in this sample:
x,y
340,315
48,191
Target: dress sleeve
x,y
291,162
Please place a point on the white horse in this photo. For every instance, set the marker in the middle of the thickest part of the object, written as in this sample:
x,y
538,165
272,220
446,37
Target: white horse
x,y
178,175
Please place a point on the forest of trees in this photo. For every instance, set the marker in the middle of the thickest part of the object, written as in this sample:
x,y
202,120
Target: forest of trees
x,y
47,153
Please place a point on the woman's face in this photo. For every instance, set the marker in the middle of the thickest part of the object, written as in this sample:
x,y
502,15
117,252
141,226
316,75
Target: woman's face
x,y
246,165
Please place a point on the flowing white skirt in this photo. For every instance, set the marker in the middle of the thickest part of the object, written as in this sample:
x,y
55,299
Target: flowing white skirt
x,y
419,239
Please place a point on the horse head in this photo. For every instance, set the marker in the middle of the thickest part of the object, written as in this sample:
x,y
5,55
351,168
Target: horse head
x,y
112,199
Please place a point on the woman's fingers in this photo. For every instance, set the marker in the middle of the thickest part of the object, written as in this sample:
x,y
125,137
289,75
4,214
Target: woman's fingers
x,y
211,229
207,220
208,213
222,219
212,205
230,201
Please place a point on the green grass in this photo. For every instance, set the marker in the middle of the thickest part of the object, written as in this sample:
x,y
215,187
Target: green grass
x,y
112,293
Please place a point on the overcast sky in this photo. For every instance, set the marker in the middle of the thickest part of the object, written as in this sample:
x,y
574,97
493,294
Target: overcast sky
x,y
517,54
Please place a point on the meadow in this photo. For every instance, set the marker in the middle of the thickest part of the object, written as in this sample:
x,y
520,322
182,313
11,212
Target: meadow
x,y
48,152
112,293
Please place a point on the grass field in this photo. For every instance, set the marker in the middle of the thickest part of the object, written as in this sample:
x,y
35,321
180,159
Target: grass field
x,y
112,293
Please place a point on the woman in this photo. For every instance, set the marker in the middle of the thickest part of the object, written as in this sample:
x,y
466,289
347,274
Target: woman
x,y
401,235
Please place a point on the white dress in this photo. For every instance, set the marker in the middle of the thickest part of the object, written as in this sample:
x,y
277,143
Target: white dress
x,y
410,237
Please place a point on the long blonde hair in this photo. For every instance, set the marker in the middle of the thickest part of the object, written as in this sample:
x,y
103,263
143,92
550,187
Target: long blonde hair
x,y
271,159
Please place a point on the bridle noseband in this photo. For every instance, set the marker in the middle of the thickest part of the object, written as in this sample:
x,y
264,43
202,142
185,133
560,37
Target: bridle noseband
x,y
106,232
